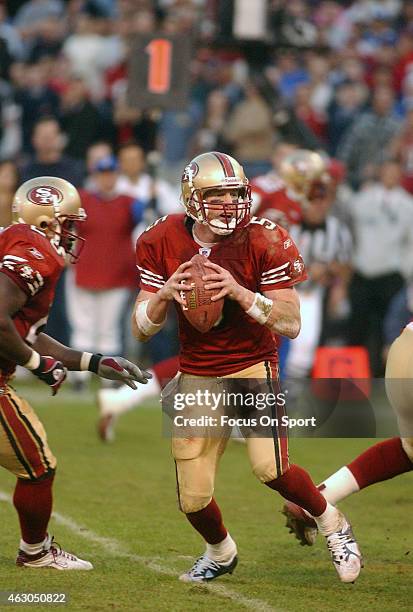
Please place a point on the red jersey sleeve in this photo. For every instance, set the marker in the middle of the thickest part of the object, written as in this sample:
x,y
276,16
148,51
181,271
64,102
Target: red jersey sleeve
x,y
149,262
281,264
26,265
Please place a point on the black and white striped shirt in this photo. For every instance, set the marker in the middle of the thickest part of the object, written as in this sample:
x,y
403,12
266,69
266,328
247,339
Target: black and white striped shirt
x,y
326,243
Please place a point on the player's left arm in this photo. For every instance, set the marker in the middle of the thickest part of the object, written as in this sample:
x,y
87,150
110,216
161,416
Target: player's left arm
x,y
284,317
279,309
112,368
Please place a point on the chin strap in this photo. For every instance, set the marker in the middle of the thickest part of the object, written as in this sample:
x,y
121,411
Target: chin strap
x,y
224,231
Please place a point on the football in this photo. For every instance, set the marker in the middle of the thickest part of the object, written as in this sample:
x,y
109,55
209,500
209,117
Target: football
x,y
200,311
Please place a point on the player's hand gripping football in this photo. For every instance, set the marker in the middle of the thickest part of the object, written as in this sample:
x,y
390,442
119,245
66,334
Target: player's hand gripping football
x,y
51,372
176,284
117,368
219,278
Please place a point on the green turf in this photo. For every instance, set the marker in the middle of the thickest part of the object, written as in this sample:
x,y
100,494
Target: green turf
x,y
126,492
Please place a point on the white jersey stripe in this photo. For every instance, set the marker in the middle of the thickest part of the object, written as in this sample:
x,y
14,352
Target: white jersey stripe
x,y
149,273
145,277
152,284
275,269
14,258
276,280
275,275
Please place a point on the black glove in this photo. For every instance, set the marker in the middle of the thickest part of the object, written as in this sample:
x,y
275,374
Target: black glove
x,y
117,368
52,372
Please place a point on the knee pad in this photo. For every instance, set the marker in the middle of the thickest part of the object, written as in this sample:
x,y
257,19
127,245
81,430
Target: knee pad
x,y
188,448
196,462
195,483
195,489
192,503
265,471
268,460
407,444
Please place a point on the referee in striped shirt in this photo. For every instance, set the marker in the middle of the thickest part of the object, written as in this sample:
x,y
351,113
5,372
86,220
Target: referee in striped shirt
x,y
325,244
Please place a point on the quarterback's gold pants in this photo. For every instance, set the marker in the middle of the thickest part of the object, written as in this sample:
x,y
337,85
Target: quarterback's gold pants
x,y
399,386
197,456
23,443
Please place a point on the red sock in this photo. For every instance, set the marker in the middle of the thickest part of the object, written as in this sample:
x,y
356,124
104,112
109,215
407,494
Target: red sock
x,y
380,462
297,486
208,522
165,370
33,502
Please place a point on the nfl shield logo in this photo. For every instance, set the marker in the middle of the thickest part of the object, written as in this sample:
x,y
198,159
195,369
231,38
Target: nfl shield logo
x,y
205,251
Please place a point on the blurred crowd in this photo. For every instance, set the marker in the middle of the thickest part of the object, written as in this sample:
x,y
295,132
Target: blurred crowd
x,y
334,76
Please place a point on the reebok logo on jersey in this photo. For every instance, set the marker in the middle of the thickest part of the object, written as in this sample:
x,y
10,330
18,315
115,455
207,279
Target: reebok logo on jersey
x,y
33,251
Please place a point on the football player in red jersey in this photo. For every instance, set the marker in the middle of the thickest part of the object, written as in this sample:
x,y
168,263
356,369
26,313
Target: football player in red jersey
x,y
32,256
254,265
281,194
269,192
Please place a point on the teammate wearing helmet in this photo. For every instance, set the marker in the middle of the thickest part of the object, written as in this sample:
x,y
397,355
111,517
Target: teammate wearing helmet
x,y
297,178
32,256
301,170
253,264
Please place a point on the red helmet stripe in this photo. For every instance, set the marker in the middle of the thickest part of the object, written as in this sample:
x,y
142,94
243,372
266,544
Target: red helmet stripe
x,y
225,163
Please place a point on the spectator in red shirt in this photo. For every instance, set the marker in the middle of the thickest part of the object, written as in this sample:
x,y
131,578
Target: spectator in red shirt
x,y
105,275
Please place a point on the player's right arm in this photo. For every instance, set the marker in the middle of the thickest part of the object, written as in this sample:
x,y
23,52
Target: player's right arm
x,y
12,346
157,290
150,310
12,299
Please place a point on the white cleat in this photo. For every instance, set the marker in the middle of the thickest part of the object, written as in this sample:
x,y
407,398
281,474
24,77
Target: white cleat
x,y
345,552
52,557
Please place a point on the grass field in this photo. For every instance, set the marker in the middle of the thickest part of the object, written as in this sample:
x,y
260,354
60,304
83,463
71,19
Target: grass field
x,y
115,506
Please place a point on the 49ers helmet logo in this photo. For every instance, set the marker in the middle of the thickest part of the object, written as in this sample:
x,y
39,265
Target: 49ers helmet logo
x,y
45,195
190,172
